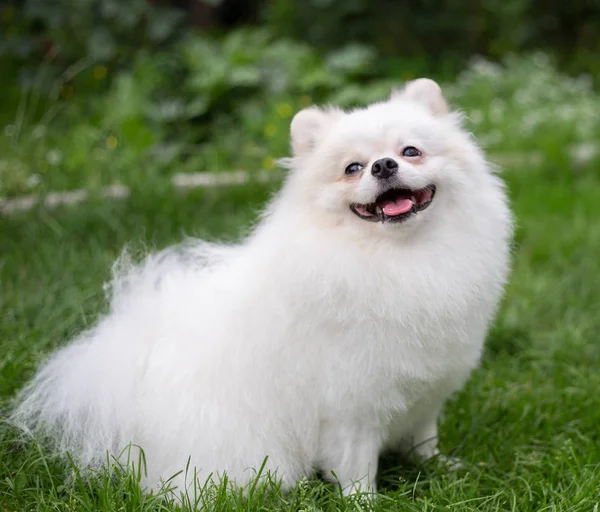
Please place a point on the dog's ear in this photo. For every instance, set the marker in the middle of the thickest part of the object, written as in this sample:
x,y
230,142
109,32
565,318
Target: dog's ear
x,y
308,125
426,92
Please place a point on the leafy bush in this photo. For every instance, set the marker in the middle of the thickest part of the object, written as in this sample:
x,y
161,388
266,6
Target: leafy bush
x,y
447,32
109,32
206,103
525,104
225,104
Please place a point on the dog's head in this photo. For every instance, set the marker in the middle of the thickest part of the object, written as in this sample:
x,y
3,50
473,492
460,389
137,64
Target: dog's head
x,y
388,166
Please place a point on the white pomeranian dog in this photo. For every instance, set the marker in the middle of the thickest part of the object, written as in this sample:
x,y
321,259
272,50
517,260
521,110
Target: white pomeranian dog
x,y
336,330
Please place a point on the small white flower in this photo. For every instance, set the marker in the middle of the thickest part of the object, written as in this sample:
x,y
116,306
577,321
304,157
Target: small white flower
x,y
583,153
39,132
522,97
566,112
54,157
486,68
34,180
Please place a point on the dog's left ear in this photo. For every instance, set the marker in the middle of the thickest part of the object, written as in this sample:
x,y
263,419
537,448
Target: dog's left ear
x,y
308,126
425,91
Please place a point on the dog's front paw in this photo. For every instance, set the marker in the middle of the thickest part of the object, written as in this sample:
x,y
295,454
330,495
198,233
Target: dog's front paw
x,y
449,463
442,462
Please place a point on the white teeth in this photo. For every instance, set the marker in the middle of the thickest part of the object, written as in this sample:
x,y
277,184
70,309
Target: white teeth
x,y
413,199
378,210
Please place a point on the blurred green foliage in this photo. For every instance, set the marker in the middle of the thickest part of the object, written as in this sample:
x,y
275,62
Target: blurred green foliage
x,y
205,103
446,31
443,32
102,92
69,30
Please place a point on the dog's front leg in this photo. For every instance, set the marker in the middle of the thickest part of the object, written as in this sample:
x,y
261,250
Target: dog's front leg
x,y
349,454
421,444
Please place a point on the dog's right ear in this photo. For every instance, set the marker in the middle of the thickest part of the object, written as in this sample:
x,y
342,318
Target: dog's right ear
x,y
308,125
424,91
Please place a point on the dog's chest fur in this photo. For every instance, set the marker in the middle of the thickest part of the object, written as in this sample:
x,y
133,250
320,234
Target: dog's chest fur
x,y
387,332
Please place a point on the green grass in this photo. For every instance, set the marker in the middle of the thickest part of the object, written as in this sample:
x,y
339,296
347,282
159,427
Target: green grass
x,y
527,425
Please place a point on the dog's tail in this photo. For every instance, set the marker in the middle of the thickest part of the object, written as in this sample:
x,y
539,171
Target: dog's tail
x,y
78,402
84,399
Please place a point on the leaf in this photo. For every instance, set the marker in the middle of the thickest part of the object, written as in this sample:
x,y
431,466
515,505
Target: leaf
x,y
353,59
162,23
198,106
101,44
136,134
244,76
166,111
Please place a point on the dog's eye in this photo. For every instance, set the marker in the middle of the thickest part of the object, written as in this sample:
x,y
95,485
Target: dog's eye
x,y
353,168
411,151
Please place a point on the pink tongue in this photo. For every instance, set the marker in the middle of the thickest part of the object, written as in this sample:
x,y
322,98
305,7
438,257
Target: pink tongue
x,y
397,207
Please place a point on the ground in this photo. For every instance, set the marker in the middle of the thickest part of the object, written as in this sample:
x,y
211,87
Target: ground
x,y
527,424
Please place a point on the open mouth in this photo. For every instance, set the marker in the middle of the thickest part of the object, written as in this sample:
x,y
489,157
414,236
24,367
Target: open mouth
x,y
395,205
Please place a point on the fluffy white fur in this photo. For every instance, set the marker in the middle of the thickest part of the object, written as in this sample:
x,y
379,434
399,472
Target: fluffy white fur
x,y
319,340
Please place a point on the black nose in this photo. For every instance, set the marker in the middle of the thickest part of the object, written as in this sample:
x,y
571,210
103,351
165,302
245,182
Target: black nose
x,y
384,168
